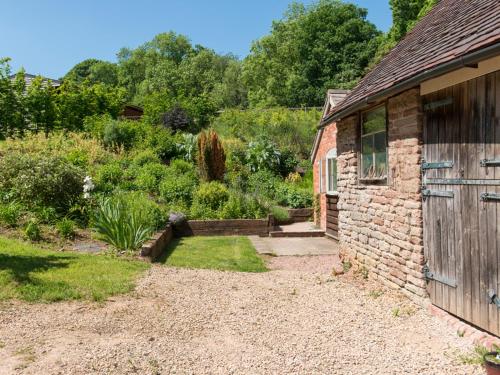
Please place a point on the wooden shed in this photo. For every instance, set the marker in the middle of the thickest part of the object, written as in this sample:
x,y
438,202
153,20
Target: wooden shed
x,y
417,155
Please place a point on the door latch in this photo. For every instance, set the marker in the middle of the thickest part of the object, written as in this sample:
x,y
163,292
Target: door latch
x,y
493,298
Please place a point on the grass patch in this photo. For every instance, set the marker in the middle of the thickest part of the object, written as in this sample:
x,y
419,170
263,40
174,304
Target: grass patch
x,y
35,275
218,253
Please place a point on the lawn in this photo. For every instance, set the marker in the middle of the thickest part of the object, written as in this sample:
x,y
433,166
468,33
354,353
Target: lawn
x,y
32,274
218,253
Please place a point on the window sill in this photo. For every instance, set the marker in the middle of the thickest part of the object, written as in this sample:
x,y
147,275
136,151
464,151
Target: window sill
x,y
374,180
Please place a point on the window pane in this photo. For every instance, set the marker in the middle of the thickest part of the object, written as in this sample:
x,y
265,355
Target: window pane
x,y
332,175
367,156
380,155
374,121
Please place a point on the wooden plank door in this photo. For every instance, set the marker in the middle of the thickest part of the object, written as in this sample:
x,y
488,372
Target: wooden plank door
x,y
461,205
332,215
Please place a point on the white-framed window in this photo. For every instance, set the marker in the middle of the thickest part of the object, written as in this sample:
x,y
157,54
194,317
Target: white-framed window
x,y
331,171
374,144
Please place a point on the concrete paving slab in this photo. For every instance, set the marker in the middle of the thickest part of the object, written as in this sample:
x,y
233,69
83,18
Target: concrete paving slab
x,y
295,246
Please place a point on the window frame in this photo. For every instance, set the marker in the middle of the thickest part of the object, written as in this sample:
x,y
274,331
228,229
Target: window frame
x,y
373,180
331,155
320,173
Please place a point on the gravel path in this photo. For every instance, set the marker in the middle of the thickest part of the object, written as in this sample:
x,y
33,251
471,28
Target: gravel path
x,y
207,322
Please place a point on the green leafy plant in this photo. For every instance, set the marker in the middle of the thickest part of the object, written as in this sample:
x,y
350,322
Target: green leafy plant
x,y
38,180
66,228
32,230
241,206
174,188
263,183
108,176
10,214
292,196
149,176
120,226
117,134
151,214
263,154
208,199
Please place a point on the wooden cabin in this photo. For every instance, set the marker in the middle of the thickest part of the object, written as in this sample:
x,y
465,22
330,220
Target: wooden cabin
x,y
413,155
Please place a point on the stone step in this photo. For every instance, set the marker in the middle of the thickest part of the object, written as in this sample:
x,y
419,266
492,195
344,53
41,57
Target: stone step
x,y
309,233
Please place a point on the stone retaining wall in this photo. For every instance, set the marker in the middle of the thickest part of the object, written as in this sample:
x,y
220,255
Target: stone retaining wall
x,y
381,226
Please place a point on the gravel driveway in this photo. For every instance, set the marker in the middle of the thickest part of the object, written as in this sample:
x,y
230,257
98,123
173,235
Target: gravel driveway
x,y
207,322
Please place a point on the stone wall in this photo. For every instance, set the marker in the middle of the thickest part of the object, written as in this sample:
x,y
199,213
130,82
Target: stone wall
x,y
381,226
327,142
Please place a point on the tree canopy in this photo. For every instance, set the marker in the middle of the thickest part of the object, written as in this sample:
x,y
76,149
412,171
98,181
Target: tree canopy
x,y
325,45
328,44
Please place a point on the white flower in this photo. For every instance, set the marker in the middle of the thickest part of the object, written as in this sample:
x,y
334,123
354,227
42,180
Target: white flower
x,y
88,186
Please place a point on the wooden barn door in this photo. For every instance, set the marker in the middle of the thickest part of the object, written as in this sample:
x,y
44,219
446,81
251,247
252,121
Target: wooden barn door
x,y
461,195
332,215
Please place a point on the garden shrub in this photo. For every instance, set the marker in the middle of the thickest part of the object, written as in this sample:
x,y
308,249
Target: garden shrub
x,y
66,228
39,180
280,213
145,157
177,188
263,183
163,142
32,230
241,206
108,176
150,212
179,167
122,134
294,197
46,215
263,154
238,179
287,163
149,176
208,199
10,214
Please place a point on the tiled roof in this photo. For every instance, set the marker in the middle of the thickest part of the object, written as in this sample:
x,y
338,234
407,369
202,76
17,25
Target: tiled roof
x,y
453,28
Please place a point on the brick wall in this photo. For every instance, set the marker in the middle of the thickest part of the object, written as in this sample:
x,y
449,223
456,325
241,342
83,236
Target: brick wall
x,y
381,226
328,141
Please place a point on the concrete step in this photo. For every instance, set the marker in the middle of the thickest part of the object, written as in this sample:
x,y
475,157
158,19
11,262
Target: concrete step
x,y
308,233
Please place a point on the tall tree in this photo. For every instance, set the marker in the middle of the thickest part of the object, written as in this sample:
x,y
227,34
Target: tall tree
x,y
12,101
41,105
325,45
93,71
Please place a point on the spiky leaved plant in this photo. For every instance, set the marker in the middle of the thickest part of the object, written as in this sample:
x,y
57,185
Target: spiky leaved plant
x,y
211,157
120,226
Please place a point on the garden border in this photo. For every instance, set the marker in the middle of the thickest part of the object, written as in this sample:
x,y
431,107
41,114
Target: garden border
x,y
156,246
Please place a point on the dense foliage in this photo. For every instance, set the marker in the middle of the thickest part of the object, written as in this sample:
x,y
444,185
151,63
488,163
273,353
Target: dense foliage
x,y
42,108
215,142
325,45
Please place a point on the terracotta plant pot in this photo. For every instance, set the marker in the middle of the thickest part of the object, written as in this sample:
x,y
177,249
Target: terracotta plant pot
x,y
492,367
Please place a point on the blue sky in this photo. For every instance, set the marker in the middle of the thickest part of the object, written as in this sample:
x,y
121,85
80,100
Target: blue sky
x,y
49,37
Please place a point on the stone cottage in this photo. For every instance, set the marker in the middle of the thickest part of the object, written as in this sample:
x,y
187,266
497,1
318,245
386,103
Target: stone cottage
x,y
409,164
